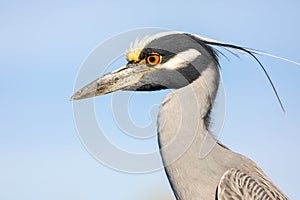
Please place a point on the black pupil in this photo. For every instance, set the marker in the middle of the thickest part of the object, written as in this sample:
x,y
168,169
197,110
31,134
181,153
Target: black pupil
x,y
152,59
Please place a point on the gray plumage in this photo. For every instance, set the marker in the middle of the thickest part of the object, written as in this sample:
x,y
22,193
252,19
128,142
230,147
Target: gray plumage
x,y
190,66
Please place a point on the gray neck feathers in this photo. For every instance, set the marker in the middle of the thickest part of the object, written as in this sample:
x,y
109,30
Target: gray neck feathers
x,y
183,112
183,134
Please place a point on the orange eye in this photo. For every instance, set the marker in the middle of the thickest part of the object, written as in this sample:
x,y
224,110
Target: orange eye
x,y
153,59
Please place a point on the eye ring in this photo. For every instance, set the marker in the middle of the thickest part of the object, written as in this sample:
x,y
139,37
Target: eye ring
x,y
153,59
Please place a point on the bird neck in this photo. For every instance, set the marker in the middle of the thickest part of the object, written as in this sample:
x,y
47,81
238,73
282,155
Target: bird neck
x,y
184,112
182,129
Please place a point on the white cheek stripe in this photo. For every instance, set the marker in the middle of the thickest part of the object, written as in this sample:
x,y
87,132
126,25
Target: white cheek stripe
x,y
180,59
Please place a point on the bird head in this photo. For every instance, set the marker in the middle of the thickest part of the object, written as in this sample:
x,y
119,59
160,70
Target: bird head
x,y
164,60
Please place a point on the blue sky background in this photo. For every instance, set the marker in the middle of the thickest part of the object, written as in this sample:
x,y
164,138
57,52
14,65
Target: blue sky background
x,y
42,45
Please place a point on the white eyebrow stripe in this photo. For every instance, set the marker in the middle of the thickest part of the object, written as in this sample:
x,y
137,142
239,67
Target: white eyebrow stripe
x,y
180,59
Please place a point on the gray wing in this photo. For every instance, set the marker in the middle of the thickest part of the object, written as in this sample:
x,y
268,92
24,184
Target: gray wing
x,y
236,184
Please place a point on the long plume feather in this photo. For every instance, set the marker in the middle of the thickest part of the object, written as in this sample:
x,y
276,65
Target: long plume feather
x,y
252,53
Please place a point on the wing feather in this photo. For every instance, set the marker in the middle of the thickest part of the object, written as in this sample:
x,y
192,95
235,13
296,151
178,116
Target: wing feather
x,y
236,184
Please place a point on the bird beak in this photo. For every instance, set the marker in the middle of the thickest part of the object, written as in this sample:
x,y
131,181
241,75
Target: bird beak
x,y
125,77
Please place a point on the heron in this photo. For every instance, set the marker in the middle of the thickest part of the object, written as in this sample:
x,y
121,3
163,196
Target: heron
x,y
189,65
